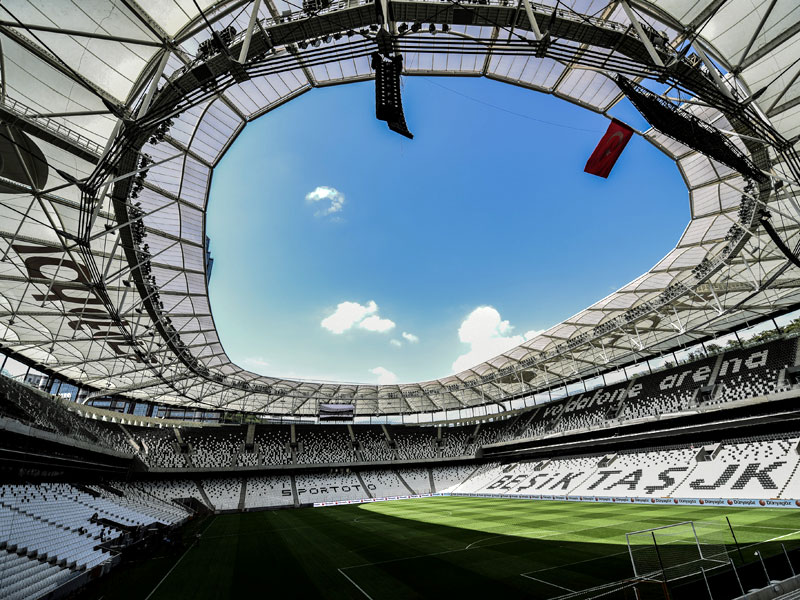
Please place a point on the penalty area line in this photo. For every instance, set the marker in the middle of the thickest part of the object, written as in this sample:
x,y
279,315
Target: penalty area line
x,y
561,587
358,587
780,537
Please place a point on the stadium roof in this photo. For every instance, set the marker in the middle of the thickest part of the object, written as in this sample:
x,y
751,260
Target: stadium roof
x,y
102,278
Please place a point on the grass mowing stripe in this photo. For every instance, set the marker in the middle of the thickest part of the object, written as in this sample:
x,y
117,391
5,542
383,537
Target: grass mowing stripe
x,y
469,547
433,547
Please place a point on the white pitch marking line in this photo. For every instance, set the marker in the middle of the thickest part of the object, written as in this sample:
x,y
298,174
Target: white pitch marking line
x,y
780,537
362,519
358,587
163,579
577,562
551,532
548,583
515,539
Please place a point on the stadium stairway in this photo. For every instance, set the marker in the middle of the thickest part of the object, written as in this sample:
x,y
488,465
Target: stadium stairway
x,y
364,486
204,496
793,477
354,444
430,477
403,481
294,490
390,443
712,379
129,438
243,494
688,475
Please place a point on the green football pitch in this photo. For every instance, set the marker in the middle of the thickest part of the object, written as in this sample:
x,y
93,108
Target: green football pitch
x,y
440,547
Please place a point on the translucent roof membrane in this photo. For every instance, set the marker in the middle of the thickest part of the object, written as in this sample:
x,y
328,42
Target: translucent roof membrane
x,y
76,75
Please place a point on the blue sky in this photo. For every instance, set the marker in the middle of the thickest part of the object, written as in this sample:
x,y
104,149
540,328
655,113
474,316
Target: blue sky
x,y
346,252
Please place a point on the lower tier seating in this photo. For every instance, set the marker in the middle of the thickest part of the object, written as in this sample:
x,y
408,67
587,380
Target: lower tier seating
x,y
22,577
759,469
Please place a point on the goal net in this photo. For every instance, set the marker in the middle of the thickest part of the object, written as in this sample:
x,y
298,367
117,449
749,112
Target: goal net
x,y
678,550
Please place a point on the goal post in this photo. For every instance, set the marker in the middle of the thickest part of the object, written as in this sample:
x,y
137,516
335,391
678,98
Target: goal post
x,y
675,551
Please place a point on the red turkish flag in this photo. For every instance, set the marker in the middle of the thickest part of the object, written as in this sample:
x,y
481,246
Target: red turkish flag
x,y
608,150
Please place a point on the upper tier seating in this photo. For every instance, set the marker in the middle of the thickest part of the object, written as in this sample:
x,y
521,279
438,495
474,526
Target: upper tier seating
x,y
374,446
321,444
455,442
159,448
416,443
590,409
43,411
273,445
737,374
668,391
755,371
214,447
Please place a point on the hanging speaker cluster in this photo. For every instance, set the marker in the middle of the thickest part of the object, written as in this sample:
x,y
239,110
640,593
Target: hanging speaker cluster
x,y
388,103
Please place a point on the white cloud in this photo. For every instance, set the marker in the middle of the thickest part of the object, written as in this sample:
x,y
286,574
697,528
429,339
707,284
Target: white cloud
x,y
533,333
487,334
332,200
256,361
396,343
352,314
385,376
348,314
376,323
410,337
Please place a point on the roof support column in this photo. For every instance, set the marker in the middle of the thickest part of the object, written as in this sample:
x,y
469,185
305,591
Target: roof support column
x,y
385,11
723,87
640,32
162,64
2,74
532,19
248,36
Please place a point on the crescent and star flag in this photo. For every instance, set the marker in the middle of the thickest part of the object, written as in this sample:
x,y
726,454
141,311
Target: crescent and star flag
x,y
608,150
